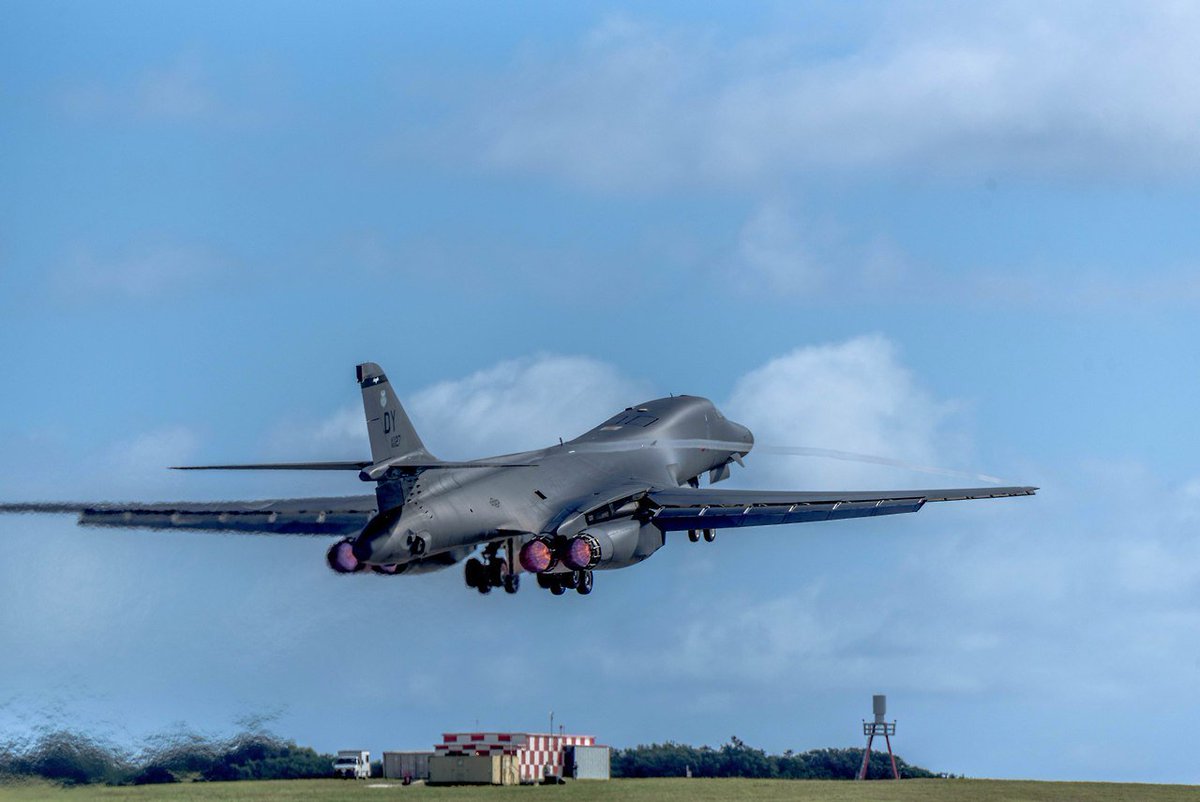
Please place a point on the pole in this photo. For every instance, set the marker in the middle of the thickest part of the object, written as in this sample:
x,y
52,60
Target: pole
x,y
895,774
862,772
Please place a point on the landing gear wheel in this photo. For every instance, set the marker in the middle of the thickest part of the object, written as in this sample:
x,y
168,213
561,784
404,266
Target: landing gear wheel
x,y
694,535
473,573
512,583
585,583
484,588
571,581
496,571
557,589
710,535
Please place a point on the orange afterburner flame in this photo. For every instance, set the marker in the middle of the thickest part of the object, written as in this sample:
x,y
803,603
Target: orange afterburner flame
x,y
537,556
581,554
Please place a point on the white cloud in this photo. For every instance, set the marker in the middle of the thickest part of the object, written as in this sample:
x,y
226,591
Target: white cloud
x,y
775,254
854,396
1063,90
520,404
142,460
189,89
129,469
177,91
516,405
141,273
781,251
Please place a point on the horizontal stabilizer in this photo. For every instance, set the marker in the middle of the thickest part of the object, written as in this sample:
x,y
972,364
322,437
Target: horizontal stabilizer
x,y
379,470
367,471
278,466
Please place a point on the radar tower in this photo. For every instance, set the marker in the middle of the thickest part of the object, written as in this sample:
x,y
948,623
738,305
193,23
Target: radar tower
x,y
878,727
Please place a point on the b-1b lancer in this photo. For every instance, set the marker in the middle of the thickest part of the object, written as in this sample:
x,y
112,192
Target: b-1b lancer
x,y
605,500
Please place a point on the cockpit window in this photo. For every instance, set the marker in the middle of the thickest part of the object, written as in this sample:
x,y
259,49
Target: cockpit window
x,y
629,418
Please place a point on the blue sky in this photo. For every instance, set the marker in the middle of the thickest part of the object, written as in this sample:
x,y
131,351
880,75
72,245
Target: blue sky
x,y
948,235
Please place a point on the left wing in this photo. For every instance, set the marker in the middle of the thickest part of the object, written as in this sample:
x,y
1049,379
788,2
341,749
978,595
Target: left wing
x,y
686,508
298,516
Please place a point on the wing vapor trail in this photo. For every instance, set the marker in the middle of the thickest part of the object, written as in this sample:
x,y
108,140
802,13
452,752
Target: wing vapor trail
x,y
773,450
851,456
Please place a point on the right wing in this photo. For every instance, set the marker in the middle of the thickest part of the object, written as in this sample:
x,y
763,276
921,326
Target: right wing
x,y
299,516
707,508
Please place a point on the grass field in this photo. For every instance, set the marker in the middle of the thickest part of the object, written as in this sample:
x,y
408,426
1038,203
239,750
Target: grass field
x,y
648,790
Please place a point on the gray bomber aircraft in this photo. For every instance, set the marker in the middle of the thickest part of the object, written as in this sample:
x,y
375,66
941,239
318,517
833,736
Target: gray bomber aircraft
x,y
605,500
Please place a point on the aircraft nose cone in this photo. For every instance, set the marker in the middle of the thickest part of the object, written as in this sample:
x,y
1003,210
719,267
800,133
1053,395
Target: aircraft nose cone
x,y
745,436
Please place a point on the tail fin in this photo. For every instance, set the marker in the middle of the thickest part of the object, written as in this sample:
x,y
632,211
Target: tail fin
x,y
392,433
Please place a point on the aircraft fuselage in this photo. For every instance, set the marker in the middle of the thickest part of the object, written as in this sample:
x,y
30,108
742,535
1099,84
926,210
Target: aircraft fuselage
x,y
666,442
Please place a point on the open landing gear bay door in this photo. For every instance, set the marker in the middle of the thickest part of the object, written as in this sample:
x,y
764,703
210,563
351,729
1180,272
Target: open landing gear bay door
x,y
685,508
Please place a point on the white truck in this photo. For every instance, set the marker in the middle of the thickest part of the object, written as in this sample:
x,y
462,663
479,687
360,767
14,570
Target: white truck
x,y
352,765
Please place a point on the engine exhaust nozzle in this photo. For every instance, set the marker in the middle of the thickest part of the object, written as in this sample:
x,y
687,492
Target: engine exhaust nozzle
x,y
581,553
341,558
537,556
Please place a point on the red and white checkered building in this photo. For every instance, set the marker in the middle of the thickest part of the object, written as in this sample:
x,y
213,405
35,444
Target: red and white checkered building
x,y
538,754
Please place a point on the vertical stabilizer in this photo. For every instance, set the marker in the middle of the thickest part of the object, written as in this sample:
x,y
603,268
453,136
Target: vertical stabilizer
x,y
392,433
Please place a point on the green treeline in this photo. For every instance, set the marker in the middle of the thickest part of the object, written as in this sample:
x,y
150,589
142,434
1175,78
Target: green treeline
x,y
73,758
736,759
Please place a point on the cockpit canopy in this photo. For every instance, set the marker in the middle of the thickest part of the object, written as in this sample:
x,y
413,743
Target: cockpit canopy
x,y
632,416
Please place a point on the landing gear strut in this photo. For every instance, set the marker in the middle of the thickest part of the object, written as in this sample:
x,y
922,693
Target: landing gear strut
x,y
493,571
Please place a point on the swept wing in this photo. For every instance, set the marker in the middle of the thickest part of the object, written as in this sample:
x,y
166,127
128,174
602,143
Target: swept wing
x,y
707,508
298,516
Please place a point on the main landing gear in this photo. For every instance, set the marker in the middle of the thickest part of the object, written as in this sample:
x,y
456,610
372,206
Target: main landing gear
x,y
579,581
493,571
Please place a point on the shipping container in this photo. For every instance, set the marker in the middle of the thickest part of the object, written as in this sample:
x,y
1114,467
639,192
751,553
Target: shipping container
x,y
587,762
414,765
473,770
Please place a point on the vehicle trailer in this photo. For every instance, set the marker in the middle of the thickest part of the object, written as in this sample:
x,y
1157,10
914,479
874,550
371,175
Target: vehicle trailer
x,y
407,766
352,765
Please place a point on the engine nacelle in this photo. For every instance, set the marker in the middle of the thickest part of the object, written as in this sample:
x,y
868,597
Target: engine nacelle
x,y
387,539
612,544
